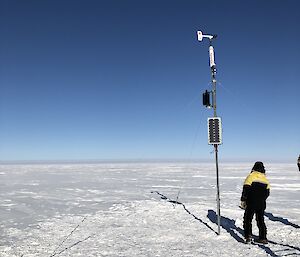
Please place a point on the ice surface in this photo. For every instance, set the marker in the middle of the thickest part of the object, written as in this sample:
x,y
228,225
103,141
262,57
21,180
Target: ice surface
x,y
109,210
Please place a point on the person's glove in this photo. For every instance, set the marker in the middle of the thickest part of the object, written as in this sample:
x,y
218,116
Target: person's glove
x,y
243,205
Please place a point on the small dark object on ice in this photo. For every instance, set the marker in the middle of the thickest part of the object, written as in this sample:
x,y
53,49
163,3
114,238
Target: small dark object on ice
x,y
248,240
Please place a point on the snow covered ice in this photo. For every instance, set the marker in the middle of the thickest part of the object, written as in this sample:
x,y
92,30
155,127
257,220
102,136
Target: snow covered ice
x,y
107,209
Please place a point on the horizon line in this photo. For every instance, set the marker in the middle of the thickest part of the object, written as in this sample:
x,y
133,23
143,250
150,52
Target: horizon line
x,y
140,160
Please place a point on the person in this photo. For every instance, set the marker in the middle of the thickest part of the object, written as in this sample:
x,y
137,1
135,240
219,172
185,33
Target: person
x,y
298,162
256,190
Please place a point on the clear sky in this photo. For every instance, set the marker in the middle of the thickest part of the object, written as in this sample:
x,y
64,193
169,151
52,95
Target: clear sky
x,y
123,79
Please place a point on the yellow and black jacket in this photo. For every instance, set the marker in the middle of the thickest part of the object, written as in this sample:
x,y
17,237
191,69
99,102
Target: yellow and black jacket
x,y
256,190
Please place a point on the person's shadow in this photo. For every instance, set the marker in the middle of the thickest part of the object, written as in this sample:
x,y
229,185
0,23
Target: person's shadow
x,y
227,224
271,217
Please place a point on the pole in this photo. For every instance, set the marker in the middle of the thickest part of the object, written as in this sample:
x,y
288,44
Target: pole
x,y
214,96
218,190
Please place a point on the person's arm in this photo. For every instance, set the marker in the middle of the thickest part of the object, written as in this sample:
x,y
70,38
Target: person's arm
x,y
246,189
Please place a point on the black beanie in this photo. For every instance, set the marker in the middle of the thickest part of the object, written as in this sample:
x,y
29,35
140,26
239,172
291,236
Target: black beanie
x,y
259,166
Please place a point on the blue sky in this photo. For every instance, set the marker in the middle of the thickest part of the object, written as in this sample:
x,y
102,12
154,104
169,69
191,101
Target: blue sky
x,y
124,79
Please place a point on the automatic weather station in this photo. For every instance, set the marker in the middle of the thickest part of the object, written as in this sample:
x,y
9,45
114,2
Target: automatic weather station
x,y
214,124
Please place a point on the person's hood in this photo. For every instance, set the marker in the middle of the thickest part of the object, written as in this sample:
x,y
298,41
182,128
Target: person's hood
x,y
259,166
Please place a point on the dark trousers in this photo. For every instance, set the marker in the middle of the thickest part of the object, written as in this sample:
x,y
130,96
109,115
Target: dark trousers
x,y
248,216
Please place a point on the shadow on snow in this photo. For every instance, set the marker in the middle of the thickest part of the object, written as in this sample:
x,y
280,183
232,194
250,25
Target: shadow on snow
x,y
280,219
184,207
233,230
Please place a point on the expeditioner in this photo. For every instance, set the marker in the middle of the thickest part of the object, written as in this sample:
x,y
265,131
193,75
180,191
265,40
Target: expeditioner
x,y
256,190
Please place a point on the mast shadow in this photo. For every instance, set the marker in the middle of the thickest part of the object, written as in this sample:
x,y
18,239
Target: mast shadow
x,y
200,220
163,197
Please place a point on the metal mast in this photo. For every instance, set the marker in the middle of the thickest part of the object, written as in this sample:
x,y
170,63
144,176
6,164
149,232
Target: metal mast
x,y
215,129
